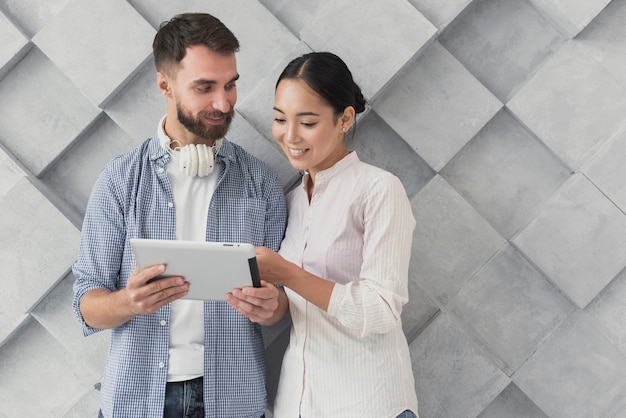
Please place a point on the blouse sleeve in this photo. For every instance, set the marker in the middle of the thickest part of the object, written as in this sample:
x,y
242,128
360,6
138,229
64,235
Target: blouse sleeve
x,y
373,304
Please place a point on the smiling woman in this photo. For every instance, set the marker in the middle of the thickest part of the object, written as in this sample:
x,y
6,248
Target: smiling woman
x,y
345,257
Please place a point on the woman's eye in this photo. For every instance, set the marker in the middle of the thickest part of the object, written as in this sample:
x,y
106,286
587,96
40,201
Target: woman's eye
x,y
309,124
279,120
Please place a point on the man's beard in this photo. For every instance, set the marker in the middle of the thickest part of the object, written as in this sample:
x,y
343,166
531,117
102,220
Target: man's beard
x,y
197,127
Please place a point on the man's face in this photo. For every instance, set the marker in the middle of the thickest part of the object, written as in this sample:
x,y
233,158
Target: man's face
x,y
204,91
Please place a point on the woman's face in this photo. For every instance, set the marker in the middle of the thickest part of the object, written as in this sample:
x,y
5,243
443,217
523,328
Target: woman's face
x,y
305,126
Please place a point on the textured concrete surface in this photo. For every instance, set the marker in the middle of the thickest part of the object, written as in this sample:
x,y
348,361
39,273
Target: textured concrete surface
x,y
504,119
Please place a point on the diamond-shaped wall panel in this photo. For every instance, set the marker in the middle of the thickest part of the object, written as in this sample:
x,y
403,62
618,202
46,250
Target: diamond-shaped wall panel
x,y
510,308
501,42
506,174
32,15
376,142
61,379
375,41
504,119
97,68
103,141
10,173
576,356
571,16
441,262
572,104
607,169
578,240
38,246
440,13
447,389
605,40
40,119
436,105
15,45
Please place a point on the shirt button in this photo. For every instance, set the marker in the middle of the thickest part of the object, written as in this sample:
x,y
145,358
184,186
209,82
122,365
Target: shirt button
x,y
161,169
170,205
163,322
161,365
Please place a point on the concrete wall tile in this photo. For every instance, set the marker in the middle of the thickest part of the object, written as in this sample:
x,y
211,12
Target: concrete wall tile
x,y
138,108
572,104
375,141
506,174
578,240
375,41
441,262
32,15
74,174
99,69
14,45
510,308
418,311
440,13
576,357
605,40
39,120
443,388
571,16
607,169
512,403
37,376
57,317
294,14
10,173
607,312
436,105
38,246
501,42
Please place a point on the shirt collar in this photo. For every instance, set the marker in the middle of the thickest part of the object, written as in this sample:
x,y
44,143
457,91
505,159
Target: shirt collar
x,y
326,175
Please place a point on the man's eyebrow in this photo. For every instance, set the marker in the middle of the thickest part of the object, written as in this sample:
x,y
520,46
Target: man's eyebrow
x,y
298,114
205,81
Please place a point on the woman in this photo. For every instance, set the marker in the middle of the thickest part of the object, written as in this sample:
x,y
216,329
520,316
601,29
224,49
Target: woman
x,y
344,259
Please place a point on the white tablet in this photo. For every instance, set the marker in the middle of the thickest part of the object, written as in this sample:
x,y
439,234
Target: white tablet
x,y
211,268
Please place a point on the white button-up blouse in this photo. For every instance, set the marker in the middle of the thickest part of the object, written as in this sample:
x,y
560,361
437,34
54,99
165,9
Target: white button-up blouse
x,y
353,360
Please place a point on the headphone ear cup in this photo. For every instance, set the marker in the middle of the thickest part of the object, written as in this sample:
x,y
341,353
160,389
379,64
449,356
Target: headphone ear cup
x,y
203,159
193,160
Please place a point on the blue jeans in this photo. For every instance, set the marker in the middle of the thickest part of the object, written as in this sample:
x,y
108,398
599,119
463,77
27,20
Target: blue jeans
x,y
182,399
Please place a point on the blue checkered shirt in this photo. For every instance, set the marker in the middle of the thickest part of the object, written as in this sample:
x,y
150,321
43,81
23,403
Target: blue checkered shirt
x,y
133,198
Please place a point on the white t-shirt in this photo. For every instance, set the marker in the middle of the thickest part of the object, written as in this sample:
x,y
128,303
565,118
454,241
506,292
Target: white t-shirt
x,y
192,196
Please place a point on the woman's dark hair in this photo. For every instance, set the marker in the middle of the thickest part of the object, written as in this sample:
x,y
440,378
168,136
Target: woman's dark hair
x,y
184,30
329,77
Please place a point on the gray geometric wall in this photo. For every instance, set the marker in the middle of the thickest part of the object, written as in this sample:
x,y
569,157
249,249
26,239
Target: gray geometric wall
x,y
504,119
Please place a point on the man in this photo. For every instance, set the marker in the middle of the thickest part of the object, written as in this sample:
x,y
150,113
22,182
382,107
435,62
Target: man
x,y
171,356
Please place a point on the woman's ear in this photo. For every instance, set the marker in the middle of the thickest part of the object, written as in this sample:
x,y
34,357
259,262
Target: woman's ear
x,y
347,119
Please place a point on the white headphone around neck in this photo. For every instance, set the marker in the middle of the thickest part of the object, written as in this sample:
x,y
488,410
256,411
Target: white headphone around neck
x,y
196,160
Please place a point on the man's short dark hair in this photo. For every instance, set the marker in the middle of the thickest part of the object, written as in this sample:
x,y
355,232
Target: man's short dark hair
x,y
187,29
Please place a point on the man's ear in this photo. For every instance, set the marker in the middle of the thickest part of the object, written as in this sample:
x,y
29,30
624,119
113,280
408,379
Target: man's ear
x,y
163,83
